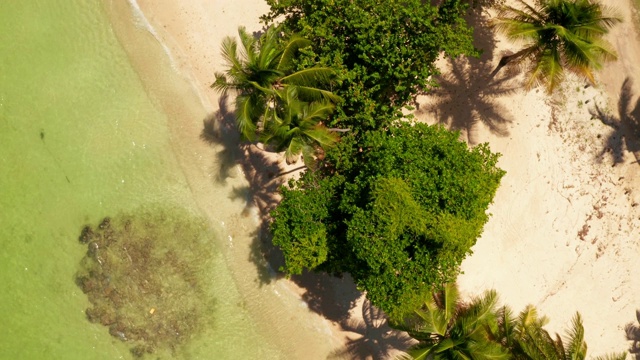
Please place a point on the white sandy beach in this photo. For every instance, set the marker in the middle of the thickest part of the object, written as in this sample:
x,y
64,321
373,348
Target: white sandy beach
x,y
565,228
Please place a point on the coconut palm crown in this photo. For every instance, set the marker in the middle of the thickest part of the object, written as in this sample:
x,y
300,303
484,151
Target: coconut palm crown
x,y
260,70
296,128
447,328
557,35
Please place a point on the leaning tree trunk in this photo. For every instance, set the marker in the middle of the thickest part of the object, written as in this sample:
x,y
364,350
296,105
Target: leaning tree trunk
x,y
508,59
339,130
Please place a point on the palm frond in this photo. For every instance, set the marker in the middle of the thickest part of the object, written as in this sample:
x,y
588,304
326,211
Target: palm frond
x,y
230,53
322,136
487,350
428,324
532,12
529,318
315,94
293,45
421,353
269,49
221,84
293,151
547,70
310,76
249,44
484,308
613,356
517,30
318,110
246,109
265,90
576,347
450,298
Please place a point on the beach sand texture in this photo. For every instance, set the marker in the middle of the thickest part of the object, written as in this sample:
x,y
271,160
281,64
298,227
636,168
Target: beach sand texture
x,y
565,223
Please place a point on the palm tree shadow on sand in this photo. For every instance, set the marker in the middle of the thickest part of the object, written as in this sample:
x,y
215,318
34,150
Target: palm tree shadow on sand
x,y
625,128
632,332
263,175
330,296
466,97
374,338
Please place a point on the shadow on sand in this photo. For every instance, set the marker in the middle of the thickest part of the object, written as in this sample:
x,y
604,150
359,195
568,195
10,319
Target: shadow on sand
x,y
464,99
626,127
632,332
262,174
465,96
329,296
374,338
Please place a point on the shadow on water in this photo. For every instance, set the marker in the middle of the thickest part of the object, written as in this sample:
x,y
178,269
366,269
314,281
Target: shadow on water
x,y
465,96
632,332
625,127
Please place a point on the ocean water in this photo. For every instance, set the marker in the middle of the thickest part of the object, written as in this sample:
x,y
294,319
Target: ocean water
x,y
81,139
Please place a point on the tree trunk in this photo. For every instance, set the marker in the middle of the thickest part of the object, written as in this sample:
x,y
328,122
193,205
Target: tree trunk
x,y
339,130
291,171
507,59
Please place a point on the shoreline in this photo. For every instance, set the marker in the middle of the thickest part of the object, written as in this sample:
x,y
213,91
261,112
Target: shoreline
x,y
276,305
553,185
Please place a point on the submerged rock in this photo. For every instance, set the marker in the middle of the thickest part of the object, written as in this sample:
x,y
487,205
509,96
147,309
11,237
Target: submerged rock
x,y
86,235
148,261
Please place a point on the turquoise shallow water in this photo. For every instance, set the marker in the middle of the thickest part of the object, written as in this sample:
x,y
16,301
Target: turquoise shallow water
x,y
79,140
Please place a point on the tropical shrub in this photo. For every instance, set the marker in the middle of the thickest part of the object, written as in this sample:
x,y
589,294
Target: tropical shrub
x,y
383,50
399,216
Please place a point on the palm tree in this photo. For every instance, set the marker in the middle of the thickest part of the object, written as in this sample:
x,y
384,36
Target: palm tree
x,y
260,70
447,328
558,35
296,128
526,338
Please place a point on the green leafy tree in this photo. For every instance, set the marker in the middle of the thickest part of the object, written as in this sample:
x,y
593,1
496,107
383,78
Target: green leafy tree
x,y
557,35
399,215
261,72
448,328
383,50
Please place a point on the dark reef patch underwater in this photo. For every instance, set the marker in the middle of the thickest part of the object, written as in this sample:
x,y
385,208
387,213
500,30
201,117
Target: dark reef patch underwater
x,y
148,278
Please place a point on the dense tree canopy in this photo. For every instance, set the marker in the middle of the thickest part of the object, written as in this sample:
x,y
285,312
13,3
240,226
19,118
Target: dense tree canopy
x,y
384,50
399,216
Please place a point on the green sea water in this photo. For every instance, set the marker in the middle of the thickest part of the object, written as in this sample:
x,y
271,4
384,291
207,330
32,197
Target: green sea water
x,y
80,139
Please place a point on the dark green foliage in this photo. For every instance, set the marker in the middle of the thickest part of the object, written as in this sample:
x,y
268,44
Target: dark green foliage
x,y
400,216
300,226
383,50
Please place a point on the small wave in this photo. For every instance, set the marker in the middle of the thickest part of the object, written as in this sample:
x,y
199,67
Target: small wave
x,y
142,22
